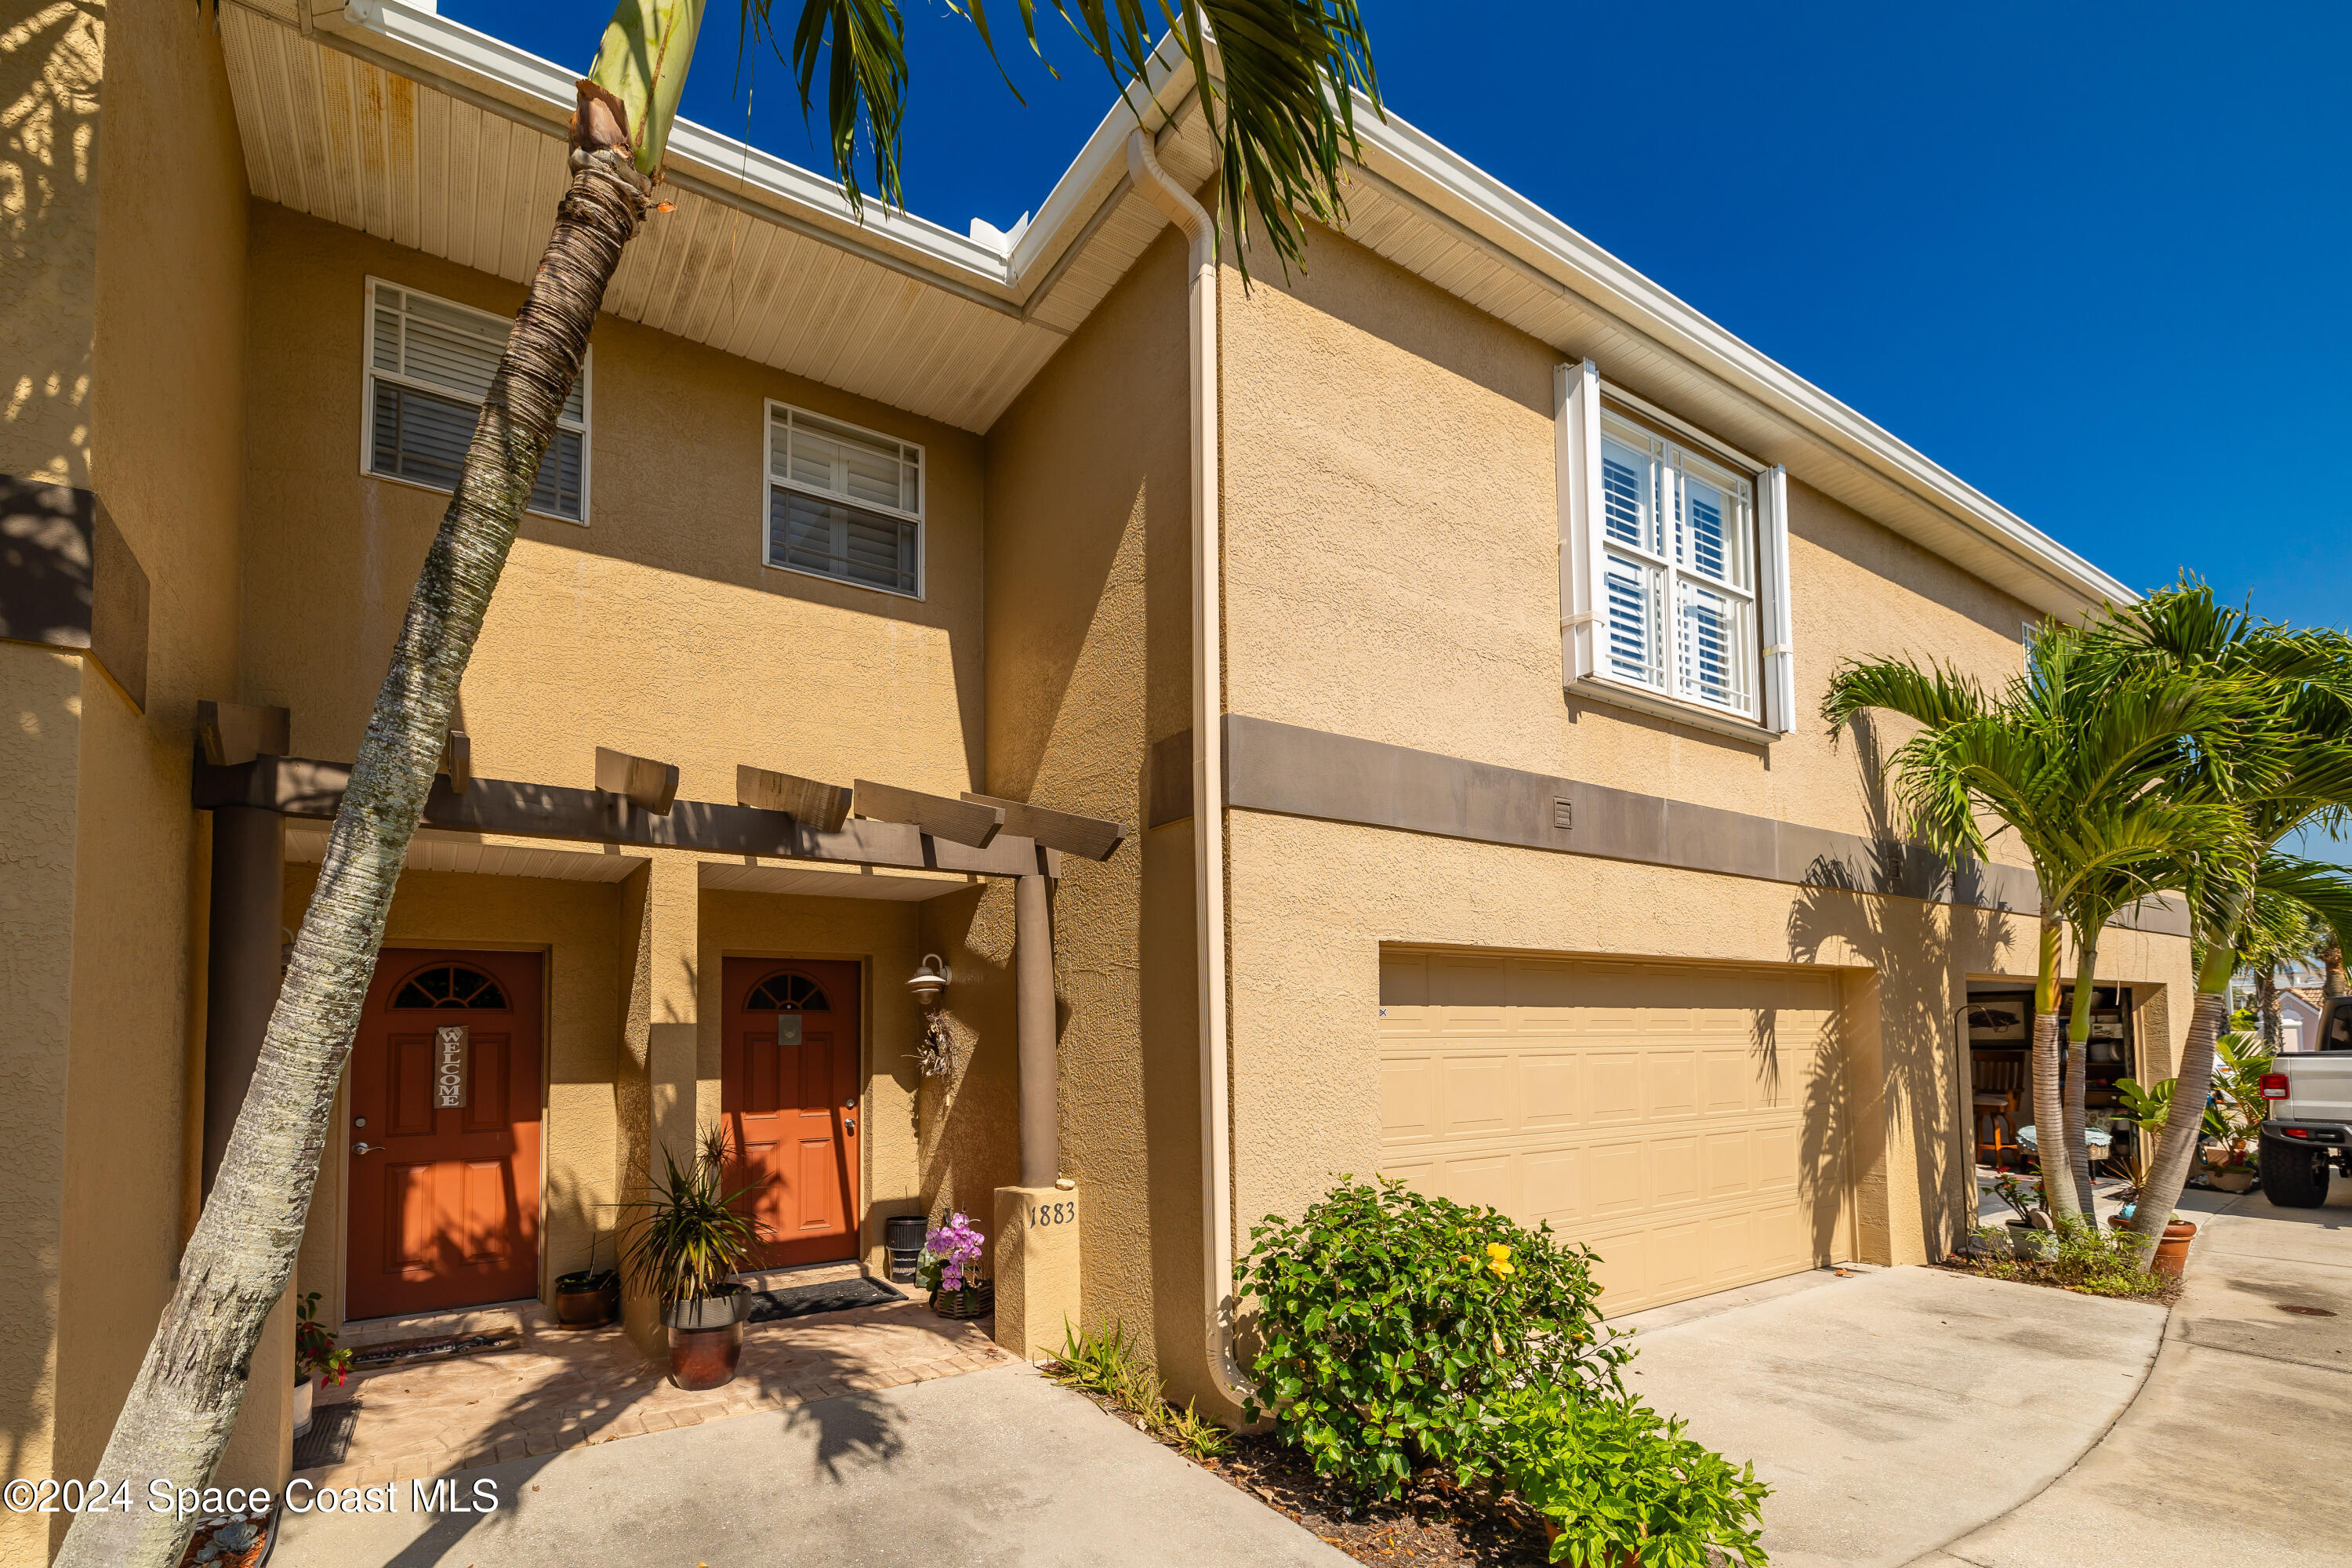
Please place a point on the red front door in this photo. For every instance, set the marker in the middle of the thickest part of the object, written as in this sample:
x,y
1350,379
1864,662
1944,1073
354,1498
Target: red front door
x,y
445,1134
788,1086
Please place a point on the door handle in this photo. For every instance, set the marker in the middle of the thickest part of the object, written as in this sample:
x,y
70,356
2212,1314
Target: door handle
x,y
366,1148
849,1128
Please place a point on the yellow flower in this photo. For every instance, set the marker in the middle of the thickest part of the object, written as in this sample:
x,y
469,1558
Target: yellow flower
x,y
1498,1259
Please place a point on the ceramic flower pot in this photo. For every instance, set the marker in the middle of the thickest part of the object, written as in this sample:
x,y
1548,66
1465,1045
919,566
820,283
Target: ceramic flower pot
x,y
306,1391
706,1339
587,1301
2234,1181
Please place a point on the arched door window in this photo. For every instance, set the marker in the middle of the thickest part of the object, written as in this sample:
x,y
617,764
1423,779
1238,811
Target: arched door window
x,y
784,992
449,987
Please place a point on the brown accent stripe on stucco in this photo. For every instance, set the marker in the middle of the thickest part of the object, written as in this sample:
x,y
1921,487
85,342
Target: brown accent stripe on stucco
x,y
69,579
1297,772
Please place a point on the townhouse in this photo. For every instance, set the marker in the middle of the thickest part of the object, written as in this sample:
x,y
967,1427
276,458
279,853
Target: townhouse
x,y
1390,694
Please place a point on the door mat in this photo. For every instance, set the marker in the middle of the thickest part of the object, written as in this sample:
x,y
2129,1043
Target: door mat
x,y
329,1440
829,1296
401,1352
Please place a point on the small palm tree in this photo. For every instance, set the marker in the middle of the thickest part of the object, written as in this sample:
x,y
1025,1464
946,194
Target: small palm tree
x,y
2068,764
1282,112
2284,766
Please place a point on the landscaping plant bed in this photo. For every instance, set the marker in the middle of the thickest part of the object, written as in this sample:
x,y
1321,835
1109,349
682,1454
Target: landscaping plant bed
x,y
1437,1523
2056,1276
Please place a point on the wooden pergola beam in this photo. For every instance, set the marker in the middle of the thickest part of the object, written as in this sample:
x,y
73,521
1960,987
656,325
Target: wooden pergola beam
x,y
962,821
300,787
644,783
1088,838
823,806
229,733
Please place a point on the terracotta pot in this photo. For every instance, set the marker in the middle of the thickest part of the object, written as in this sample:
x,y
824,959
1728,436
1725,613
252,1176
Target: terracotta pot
x,y
2172,1251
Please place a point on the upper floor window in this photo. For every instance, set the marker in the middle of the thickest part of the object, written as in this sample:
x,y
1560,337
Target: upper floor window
x,y
1674,564
844,502
1678,570
429,366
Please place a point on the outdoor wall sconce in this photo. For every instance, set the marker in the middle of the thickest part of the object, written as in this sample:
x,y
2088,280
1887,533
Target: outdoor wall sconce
x,y
936,1050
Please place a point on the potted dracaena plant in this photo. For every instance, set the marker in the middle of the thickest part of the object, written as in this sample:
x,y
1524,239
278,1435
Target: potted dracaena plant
x,y
682,1251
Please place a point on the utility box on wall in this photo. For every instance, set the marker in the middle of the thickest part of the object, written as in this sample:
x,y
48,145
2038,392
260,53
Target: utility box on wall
x,y
1037,1269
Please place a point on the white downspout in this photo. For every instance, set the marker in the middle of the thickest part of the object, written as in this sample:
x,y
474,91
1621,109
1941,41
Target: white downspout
x,y
1208,766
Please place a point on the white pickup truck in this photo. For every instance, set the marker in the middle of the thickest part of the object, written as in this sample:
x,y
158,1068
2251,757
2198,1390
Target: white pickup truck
x,y
2310,1125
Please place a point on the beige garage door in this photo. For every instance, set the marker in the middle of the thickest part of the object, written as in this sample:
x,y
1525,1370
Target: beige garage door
x,y
1684,1122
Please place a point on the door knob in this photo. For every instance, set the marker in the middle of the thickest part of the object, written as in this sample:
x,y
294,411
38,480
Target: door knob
x,y
849,1129
365,1148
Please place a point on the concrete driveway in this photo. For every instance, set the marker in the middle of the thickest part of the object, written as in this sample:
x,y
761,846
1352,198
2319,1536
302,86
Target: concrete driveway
x,y
2240,1448
1893,1410
997,1468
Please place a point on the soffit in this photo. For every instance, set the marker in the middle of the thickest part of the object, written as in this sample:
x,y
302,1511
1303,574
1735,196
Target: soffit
x,y
758,259
475,856
805,881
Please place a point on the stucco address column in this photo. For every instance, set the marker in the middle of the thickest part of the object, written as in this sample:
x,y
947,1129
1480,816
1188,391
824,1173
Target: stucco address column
x,y
1036,1255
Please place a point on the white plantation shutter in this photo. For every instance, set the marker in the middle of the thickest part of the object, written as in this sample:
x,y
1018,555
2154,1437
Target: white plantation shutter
x,y
430,364
1575,419
1779,653
1672,576
844,502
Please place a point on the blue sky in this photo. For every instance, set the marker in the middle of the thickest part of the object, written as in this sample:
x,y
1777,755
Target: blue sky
x,y
2093,257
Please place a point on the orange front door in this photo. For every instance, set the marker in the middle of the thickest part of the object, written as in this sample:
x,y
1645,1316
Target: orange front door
x,y
788,1086
445,1134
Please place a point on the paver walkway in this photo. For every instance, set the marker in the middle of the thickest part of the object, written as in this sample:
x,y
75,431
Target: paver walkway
x,y
570,1387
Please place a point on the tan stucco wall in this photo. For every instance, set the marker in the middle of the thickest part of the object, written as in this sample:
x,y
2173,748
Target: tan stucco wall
x,y
1392,545
654,628
1313,902
1391,571
122,265
1089,599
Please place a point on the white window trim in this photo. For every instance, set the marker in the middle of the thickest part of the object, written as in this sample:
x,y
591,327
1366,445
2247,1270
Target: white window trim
x,y
1578,397
768,480
369,376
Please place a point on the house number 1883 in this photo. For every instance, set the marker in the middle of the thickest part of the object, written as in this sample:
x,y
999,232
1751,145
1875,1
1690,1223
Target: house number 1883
x,y
1044,1214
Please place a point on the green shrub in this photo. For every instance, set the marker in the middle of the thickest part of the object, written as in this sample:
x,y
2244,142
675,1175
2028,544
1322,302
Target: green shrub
x,y
1614,1477
1386,1321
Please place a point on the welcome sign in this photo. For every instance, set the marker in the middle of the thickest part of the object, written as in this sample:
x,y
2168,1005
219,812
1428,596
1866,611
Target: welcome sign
x,y
452,1065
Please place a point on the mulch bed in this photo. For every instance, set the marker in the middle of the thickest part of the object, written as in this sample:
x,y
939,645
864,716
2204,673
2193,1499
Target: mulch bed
x,y
1437,1523
2013,1273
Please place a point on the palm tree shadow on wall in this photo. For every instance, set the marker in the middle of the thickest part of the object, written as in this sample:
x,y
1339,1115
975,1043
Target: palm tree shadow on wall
x,y
1864,912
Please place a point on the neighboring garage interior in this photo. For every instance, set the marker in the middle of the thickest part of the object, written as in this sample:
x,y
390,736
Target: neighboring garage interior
x,y
1690,1123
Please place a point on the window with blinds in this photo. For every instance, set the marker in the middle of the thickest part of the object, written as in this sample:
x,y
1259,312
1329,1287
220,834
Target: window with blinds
x,y
429,366
844,502
1678,603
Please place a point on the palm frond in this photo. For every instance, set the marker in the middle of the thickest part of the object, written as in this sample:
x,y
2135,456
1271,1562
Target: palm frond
x,y
1278,79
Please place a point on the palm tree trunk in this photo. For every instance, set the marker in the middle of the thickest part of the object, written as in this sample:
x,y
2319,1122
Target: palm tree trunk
x,y
186,1399
2049,1111
2331,959
2267,1005
2078,1063
2184,1124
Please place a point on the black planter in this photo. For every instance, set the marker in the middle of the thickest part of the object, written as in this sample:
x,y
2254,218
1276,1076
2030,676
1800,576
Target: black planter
x,y
903,1234
587,1301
